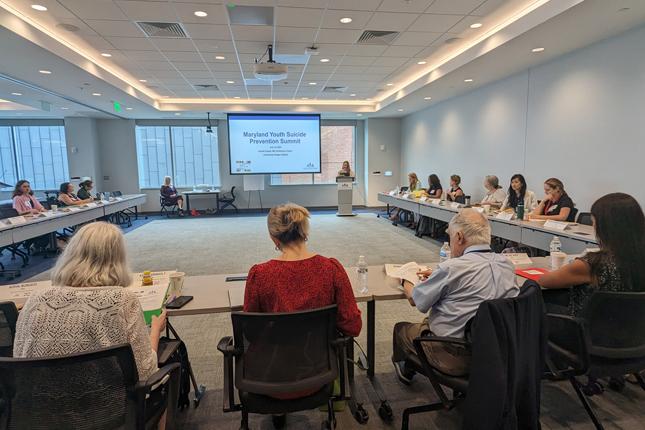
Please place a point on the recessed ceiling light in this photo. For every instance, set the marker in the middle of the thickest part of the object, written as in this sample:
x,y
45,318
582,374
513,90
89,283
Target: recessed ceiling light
x,y
45,72
220,57
16,94
324,60
177,114
64,108
421,63
399,110
230,82
427,98
38,7
313,83
476,25
201,13
96,94
468,80
352,95
143,81
346,20
128,108
389,84
540,49
106,55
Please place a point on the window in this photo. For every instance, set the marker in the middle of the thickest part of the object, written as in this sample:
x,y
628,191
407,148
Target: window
x,y
187,154
338,144
35,153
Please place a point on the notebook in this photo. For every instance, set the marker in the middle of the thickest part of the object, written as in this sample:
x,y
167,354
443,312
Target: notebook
x,y
533,273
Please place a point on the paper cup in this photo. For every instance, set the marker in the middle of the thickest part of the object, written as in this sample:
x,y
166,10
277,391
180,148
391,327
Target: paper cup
x,y
558,259
54,208
176,283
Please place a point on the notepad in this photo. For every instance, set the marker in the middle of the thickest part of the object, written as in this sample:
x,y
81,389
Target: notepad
x,y
406,271
532,273
518,258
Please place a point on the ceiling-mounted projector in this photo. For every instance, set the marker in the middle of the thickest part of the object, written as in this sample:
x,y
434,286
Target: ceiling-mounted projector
x,y
270,71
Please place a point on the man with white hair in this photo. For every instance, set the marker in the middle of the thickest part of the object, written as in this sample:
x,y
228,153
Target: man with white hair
x,y
452,294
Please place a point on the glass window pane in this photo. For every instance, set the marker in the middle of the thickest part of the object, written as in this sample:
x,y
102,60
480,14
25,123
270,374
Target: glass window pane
x,y
41,153
196,156
337,145
7,157
153,155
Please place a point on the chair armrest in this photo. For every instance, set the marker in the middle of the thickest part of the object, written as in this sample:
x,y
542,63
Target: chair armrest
x,y
226,347
568,342
443,339
160,376
167,375
341,344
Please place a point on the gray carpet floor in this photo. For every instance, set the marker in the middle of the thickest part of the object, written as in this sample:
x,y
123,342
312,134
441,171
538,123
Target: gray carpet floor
x,y
232,245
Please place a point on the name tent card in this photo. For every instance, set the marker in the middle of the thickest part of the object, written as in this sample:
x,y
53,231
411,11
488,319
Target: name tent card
x,y
423,199
405,195
556,225
479,209
16,220
91,205
506,216
454,205
435,201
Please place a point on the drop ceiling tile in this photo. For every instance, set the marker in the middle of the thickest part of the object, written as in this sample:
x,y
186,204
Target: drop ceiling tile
x,y
257,48
154,66
286,48
376,69
208,31
214,46
253,33
391,61
183,66
96,9
435,23
357,61
323,69
297,17
464,26
319,4
216,13
115,28
327,35
131,43
390,21
227,75
397,51
191,74
457,7
224,67
169,80
173,44
186,56
147,11
367,50
416,38
427,52
333,49
489,7
295,34
142,55
354,4
409,6
165,74
98,42
332,19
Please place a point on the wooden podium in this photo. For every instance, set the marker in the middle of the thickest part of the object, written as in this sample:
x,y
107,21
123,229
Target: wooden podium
x,y
345,191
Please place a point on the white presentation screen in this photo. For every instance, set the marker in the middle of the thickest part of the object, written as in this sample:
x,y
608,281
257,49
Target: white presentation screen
x,y
267,143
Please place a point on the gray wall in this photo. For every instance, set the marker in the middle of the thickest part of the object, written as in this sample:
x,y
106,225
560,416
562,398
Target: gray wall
x,y
83,152
382,153
578,118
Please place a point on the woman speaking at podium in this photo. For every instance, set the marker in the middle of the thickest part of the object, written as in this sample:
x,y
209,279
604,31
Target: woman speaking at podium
x,y
346,170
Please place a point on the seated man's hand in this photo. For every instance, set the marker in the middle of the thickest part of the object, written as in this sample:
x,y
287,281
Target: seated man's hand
x,y
424,274
408,287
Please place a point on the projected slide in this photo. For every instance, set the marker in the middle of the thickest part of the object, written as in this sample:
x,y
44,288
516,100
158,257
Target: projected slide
x,y
266,143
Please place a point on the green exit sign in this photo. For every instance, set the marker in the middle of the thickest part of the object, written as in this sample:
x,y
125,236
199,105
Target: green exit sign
x,y
117,106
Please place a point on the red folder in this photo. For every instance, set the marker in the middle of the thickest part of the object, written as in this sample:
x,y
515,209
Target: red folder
x,y
534,273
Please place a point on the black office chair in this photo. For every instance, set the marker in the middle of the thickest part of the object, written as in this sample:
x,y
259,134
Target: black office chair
x,y
122,217
608,339
584,218
14,249
167,208
8,318
95,390
227,199
281,353
572,215
532,336
461,199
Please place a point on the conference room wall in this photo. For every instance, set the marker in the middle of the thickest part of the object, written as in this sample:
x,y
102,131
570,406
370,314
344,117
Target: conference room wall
x,y
382,153
577,117
83,150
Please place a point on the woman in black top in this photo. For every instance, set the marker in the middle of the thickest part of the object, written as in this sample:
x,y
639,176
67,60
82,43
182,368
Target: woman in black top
x,y
434,190
455,194
84,189
556,204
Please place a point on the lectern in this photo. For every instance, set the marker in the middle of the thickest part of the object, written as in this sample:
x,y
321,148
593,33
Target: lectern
x,y
345,185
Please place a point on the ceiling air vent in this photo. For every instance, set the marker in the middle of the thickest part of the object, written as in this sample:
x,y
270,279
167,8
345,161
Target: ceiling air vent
x,y
162,29
376,37
206,87
334,89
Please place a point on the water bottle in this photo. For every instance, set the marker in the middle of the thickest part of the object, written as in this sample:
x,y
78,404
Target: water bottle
x,y
362,274
519,211
555,245
444,252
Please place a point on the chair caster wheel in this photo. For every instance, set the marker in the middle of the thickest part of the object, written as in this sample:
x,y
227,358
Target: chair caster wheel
x,y
593,388
385,412
360,415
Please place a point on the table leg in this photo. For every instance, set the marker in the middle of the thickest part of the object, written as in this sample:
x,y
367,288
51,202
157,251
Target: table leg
x,y
188,203
217,202
356,408
384,410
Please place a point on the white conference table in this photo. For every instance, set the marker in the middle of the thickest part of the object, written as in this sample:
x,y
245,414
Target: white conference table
x,y
575,239
53,221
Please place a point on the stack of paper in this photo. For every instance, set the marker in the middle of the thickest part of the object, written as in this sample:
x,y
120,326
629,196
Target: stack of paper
x,y
518,258
151,297
406,271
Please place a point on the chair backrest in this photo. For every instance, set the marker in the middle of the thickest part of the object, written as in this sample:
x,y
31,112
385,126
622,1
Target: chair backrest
x,y
233,192
615,323
81,391
8,212
285,352
8,318
116,193
584,218
572,215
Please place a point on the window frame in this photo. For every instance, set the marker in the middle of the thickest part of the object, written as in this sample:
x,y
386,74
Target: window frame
x,y
169,127
339,123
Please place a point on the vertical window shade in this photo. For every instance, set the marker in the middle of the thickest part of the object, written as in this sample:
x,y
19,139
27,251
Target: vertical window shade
x,y
189,155
35,153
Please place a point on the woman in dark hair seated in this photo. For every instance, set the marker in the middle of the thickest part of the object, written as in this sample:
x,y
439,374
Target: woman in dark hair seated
x,y
619,265
518,192
66,196
84,190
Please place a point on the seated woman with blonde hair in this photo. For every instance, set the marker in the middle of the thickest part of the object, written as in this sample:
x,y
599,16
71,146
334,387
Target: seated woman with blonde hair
x,y
87,308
